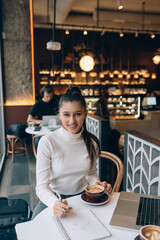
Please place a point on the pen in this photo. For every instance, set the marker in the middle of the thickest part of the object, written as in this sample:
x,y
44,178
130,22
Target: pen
x,y
59,197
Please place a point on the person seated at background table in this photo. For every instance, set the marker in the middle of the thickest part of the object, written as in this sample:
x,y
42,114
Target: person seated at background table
x,y
67,157
47,105
101,105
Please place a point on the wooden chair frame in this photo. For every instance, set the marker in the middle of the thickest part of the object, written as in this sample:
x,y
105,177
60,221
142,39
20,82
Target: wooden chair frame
x,y
11,145
120,168
33,143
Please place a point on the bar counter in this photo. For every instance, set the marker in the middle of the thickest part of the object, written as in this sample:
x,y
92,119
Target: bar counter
x,y
149,125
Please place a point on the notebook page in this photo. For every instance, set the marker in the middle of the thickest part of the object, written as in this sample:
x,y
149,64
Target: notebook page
x,y
84,224
41,228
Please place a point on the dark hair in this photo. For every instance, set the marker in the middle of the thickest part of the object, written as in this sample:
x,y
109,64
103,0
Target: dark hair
x,y
91,141
49,89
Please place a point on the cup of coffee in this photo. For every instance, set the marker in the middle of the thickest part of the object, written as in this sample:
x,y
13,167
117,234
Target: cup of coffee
x,y
94,191
150,232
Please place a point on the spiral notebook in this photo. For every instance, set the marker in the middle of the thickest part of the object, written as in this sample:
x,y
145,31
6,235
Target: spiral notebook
x,y
77,225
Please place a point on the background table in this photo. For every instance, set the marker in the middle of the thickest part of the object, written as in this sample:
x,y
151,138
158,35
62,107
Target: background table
x,y
43,130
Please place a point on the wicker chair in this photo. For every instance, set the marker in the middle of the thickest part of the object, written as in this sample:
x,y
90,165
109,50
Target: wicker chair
x,y
119,165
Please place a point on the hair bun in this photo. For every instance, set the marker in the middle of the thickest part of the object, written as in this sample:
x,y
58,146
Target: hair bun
x,y
72,90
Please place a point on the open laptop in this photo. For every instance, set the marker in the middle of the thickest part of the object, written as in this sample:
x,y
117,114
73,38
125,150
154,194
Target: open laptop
x,y
127,212
52,120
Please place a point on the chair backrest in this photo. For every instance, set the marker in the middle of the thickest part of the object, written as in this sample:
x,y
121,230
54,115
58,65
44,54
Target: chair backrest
x,y
119,165
33,143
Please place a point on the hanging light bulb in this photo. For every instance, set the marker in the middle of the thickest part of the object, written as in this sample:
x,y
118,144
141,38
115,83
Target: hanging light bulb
x,y
120,6
83,74
67,32
62,74
156,59
136,76
120,75
121,34
146,75
136,34
52,73
128,76
73,74
153,76
153,35
111,75
85,32
66,71
93,74
101,75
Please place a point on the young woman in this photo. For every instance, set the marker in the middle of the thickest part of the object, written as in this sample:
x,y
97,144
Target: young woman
x,y
67,157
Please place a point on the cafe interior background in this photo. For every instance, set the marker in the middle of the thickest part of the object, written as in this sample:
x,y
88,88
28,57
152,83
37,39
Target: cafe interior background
x,y
120,38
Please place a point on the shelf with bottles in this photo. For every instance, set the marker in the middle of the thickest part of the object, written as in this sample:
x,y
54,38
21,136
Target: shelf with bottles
x,y
91,104
46,75
124,107
88,84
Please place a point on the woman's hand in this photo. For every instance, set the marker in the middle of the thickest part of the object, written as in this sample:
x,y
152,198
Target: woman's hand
x,y
106,185
60,209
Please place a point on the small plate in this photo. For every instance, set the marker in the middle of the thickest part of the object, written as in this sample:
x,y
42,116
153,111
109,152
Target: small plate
x,y
104,199
137,238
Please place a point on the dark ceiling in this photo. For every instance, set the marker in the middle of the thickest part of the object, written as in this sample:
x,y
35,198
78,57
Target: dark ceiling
x,y
136,15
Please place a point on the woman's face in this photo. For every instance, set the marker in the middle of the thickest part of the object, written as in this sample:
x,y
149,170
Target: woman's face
x,y
72,115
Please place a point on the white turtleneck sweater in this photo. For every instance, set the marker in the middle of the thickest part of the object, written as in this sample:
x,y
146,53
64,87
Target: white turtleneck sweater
x,y
63,165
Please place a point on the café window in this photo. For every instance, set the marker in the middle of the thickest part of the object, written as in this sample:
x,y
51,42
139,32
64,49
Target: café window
x,y
2,135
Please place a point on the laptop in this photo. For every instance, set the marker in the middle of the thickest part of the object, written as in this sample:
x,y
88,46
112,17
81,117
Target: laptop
x,y
132,211
51,121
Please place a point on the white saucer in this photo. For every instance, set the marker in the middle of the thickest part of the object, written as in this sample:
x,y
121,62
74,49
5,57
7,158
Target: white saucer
x,y
103,200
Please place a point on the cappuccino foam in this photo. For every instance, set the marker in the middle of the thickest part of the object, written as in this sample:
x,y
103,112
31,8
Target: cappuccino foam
x,y
94,189
152,234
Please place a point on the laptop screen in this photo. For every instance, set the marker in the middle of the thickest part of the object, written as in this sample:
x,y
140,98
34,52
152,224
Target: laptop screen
x,y
151,101
52,120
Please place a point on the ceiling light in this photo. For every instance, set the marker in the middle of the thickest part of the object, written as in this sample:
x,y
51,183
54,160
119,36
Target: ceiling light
x,y
121,34
120,6
86,63
136,34
103,32
85,32
152,35
54,46
67,32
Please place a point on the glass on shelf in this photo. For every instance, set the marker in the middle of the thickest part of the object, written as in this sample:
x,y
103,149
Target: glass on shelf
x,y
91,93
96,92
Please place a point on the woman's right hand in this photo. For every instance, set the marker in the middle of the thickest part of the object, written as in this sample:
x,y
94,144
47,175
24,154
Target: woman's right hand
x,y
60,209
